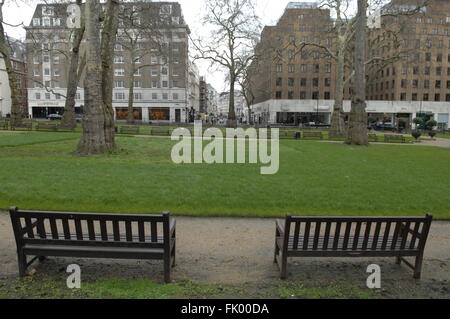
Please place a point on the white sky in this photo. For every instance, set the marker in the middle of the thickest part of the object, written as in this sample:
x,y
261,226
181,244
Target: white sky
x,y
269,11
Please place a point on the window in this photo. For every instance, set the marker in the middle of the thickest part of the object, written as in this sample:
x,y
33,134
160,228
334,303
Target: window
x,y
119,96
46,58
328,68
426,97
438,70
402,96
164,71
303,95
118,47
291,81
153,72
57,96
316,68
174,83
315,95
290,95
57,22
138,96
36,72
37,59
175,96
291,68
46,22
303,82
154,84
279,68
279,82
138,72
36,22
426,84
404,84
165,84
327,95
427,70
327,82
119,84
437,85
118,59
154,96
56,59
137,83
437,97
47,96
278,95
37,96
165,96
159,114
439,57
153,60
47,71
48,11
304,68
56,72
119,72
316,82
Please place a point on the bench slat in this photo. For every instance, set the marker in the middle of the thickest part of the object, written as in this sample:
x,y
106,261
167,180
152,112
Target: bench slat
x,y
54,228
396,233
327,236
386,235
103,230
376,235
154,231
337,232
414,235
128,231
316,235
348,227
29,227
116,230
66,228
356,235
366,235
91,229
296,234
404,235
306,237
141,231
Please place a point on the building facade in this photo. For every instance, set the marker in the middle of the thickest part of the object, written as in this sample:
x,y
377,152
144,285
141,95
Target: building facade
x,y
298,87
162,92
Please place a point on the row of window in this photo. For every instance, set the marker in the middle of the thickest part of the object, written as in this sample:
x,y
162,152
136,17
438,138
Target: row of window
x,y
425,97
155,96
415,71
303,95
303,82
415,84
120,84
315,68
46,22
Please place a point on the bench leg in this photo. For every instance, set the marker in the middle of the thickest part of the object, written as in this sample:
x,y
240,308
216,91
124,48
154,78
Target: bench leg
x,y
167,268
173,253
418,266
22,261
283,267
398,260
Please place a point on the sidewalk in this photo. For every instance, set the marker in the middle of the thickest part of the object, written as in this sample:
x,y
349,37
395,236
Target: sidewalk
x,y
239,251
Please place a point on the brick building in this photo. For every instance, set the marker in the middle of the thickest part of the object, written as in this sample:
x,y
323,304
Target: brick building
x,y
161,85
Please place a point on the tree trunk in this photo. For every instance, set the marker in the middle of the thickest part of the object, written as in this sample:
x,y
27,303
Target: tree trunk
x,y
357,127
93,138
75,70
16,107
231,112
130,117
107,54
337,118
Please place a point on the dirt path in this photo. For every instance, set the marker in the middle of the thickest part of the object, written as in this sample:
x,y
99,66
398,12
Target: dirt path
x,y
239,251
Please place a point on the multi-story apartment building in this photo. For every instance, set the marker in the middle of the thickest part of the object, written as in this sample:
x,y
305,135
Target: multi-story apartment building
x,y
17,52
223,105
294,87
421,72
161,82
194,91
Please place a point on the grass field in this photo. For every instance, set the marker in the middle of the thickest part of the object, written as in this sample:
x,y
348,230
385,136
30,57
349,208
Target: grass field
x,y
38,171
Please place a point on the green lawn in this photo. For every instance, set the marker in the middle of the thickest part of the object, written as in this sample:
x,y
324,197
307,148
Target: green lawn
x,y
39,172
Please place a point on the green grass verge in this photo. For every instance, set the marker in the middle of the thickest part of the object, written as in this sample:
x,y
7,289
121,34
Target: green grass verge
x,y
48,287
314,179
294,290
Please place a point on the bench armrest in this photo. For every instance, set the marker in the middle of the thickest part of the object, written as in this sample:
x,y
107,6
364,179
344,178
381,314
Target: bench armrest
x,y
172,228
280,226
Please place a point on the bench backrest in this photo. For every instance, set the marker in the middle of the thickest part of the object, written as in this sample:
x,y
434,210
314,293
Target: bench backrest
x,y
90,229
129,129
357,233
312,134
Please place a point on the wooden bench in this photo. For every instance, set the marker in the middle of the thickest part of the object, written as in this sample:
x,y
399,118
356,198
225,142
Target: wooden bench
x,y
4,125
388,138
128,129
62,127
89,235
313,135
160,131
27,126
373,137
351,237
286,133
46,127
335,135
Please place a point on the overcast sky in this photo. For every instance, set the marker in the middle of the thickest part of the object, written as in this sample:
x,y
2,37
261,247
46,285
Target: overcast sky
x,y
269,11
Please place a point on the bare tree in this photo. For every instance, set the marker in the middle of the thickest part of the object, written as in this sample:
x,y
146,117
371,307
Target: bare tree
x,y
235,29
76,68
16,112
140,35
108,41
357,127
93,139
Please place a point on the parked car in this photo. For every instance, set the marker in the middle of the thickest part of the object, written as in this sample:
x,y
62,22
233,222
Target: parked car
x,y
78,117
54,117
384,127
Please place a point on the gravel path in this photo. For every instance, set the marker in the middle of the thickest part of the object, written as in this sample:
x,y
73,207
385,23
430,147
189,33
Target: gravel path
x,y
239,251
